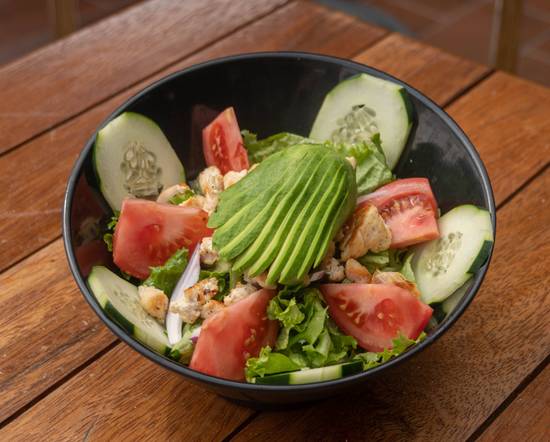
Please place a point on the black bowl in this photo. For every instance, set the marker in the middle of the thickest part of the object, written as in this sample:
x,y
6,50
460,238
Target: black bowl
x,y
271,92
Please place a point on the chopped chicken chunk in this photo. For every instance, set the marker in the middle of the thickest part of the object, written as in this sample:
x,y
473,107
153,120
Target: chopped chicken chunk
x,y
357,272
172,191
194,298
153,300
211,308
334,270
241,291
367,232
329,255
211,181
207,253
395,278
232,177
210,203
260,280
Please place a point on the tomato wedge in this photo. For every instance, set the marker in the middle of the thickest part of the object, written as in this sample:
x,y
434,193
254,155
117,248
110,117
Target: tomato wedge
x,y
148,233
374,314
231,336
409,209
222,143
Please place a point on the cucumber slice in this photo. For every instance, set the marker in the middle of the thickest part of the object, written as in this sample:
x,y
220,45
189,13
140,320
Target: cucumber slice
x,y
451,302
362,106
441,266
133,157
312,375
120,300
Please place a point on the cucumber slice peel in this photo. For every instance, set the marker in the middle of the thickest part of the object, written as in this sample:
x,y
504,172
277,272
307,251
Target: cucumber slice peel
x,y
120,300
312,375
443,265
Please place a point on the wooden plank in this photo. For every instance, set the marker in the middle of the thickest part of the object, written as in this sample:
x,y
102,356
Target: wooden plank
x,y
439,75
507,120
446,392
73,74
527,417
41,179
47,329
125,397
298,26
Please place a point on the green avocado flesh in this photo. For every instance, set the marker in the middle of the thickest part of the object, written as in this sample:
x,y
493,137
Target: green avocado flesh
x,y
281,217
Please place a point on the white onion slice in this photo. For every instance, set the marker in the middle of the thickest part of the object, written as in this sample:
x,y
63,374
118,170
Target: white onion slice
x,y
188,279
195,335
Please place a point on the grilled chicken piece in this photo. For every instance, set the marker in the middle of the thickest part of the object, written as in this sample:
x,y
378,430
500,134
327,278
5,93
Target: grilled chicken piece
x,y
366,232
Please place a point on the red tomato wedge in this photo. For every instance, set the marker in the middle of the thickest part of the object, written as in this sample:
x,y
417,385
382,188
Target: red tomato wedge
x,y
231,336
148,233
374,314
409,209
222,143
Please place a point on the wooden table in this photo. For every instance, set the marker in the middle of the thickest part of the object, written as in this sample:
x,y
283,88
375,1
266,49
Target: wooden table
x,y
64,376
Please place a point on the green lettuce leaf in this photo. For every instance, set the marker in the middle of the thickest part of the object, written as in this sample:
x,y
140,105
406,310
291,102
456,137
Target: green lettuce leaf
x,y
268,363
400,344
307,337
108,235
406,269
165,277
392,260
259,150
179,198
371,171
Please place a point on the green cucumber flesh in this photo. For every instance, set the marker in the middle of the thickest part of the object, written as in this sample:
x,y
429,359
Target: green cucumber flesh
x,y
442,265
361,106
120,300
132,157
309,376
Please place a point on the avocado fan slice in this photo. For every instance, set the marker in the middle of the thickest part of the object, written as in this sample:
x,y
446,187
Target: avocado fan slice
x,y
314,197
301,259
266,220
261,252
280,222
268,174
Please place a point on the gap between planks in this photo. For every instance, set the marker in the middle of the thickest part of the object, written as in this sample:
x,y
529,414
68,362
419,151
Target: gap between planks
x,y
247,421
509,399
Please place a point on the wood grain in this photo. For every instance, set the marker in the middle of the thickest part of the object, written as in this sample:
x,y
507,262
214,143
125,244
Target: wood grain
x,y
298,26
446,392
41,178
125,397
443,393
439,75
527,418
91,65
507,120
47,329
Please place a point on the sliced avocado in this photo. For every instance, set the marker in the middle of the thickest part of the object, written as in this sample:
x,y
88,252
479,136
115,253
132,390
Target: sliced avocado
x,y
267,174
269,252
302,257
283,267
315,193
261,227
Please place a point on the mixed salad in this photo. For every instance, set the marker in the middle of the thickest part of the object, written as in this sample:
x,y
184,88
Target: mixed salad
x,y
289,259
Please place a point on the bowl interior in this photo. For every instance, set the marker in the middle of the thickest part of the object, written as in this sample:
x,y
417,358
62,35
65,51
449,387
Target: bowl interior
x,y
270,93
